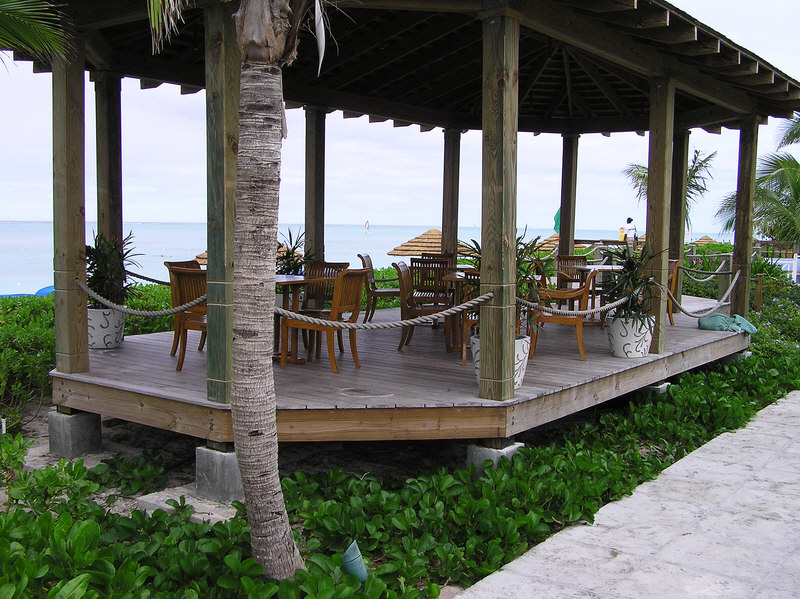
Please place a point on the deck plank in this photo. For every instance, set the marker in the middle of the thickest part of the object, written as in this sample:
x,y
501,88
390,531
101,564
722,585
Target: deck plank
x,y
422,392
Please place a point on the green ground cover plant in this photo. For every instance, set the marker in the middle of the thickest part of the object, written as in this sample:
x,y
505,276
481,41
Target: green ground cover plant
x,y
440,527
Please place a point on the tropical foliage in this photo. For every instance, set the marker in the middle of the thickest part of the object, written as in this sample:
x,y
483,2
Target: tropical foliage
x,y
632,283
776,204
697,177
107,263
33,26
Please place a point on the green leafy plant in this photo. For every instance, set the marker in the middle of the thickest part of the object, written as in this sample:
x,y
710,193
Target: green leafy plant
x,y
631,283
106,269
290,259
140,476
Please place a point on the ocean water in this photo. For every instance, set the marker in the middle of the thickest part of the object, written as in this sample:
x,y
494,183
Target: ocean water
x,y
26,248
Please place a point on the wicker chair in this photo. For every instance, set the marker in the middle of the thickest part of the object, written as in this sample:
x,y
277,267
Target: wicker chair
x,y
373,291
187,284
348,288
411,306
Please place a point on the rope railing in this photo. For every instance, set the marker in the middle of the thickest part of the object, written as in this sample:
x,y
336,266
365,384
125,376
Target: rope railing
x,y
559,312
144,278
720,303
375,326
150,313
711,274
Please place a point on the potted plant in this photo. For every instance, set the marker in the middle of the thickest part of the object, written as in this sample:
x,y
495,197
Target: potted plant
x,y
630,325
290,259
529,266
106,275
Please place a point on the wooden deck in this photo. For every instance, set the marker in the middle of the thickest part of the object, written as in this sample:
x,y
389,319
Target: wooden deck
x,y
419,393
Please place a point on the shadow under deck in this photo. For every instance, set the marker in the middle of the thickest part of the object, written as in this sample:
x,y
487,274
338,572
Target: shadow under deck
x,y
422,392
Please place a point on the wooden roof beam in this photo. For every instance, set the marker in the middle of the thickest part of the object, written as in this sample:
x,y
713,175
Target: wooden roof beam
x,y
585,34
674,34
317,95
643,18
604,6
99,52
601,82
581,126
697,48
99,14
526,86
451,6
704,117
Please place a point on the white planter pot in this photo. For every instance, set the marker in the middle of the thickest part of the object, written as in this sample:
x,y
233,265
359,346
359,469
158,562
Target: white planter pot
x,y
630,339
522,346
106,328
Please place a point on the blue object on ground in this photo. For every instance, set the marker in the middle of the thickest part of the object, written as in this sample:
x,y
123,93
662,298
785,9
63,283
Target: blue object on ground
x,y
720,322
46,290
353,563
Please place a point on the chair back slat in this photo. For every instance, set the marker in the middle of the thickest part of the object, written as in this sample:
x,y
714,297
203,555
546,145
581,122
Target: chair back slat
x,y
186,285
173,287
348,291
318,293
427,274
566,271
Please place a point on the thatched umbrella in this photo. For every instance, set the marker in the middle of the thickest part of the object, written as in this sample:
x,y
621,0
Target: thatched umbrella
x,y
202,258
705,240
430,242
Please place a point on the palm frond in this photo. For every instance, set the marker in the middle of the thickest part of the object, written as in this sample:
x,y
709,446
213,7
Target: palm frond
x,y
791,132
165,17
36,27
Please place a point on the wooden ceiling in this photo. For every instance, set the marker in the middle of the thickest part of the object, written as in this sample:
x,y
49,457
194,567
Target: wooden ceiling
x,y
585,65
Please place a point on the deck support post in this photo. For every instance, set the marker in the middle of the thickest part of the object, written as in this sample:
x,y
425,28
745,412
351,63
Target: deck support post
x,y
217,475
743,224
499,203
69,209
492,450
315,183
659,180
74,433
569,192
222,138
452,160
108,136
677,207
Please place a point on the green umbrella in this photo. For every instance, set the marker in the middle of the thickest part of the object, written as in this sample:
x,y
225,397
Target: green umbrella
x,y
557,219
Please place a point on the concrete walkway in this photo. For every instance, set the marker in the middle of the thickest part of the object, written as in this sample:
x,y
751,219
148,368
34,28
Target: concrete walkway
x,y
722,522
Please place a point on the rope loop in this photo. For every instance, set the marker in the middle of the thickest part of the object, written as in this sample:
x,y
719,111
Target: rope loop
x,y
148,313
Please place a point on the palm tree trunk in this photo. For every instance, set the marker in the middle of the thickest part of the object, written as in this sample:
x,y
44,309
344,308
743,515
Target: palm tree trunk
x,y
253,405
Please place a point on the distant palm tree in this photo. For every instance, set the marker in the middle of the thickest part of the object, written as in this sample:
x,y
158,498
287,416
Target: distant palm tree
x,y
776,204
35,27
696,179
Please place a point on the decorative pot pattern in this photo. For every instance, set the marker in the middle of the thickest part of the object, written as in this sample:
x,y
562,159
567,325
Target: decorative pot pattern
x,y
630,339
106,328
522,345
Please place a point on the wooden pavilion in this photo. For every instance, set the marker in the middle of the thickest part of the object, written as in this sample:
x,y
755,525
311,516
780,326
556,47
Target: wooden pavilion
x,y
566,67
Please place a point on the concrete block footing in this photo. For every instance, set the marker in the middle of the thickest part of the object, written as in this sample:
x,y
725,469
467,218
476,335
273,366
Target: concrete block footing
x,y
661,387
74,435
217,475
477,454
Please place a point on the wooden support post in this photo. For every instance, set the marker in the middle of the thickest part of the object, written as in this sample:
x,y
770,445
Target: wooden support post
x,y
499,205
315,183
659,179
108,131
743,223
452,159
759,293
678,207
69,207
222,139
569,191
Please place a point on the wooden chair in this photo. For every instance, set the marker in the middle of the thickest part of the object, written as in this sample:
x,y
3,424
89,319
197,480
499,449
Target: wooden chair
x,y
426,280
317,296
566,273
672,285
554,297
187,284
470,289
173,291
348,288
373,291
410,305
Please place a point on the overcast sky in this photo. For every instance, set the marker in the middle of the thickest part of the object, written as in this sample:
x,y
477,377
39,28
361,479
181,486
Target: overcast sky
x,y
374,171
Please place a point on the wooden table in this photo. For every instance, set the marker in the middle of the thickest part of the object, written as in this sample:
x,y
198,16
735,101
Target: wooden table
x,y
291,301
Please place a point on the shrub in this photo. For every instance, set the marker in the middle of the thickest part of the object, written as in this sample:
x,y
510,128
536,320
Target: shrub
x,y
27,352
154,298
